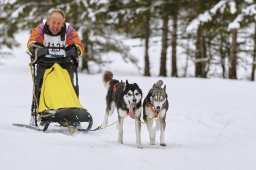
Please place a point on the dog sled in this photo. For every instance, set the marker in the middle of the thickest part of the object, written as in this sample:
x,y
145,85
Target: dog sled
x,y
55,94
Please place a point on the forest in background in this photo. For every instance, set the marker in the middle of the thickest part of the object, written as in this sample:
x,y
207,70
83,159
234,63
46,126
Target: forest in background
x,y
217,38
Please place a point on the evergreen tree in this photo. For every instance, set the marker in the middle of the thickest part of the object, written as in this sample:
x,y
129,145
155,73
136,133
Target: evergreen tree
x,y
246,19
103,25
91,18
7,26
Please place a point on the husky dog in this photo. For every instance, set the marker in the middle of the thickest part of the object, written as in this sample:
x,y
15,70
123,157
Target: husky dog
x,y
126,98
155,106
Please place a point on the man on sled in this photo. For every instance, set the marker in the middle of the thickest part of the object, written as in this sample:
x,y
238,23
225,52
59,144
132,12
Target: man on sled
x,y
54,47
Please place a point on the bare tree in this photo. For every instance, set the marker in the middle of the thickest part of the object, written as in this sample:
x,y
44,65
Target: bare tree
x,y
147,37
165,19
174,72
254,56
233,57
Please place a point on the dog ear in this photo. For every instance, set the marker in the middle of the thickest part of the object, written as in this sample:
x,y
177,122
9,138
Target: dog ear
x,y
154,86
136,85
164,88
126,82
159,83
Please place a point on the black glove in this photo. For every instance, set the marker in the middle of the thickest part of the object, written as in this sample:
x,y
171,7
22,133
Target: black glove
x,y
39,50
71,51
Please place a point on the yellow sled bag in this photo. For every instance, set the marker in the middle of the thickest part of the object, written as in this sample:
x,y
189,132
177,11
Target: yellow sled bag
x,y
57,91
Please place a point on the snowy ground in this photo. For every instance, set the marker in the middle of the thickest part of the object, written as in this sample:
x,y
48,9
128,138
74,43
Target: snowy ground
x,y
211,125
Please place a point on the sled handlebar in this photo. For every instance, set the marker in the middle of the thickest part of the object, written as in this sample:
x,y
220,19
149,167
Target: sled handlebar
x,y
50,59
34,59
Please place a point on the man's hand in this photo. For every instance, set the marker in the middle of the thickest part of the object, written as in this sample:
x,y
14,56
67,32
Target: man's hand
x,y
39,50
71,51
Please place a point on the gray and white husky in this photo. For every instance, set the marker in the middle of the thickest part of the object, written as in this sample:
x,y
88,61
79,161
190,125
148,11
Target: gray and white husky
x,y
155,106
126,98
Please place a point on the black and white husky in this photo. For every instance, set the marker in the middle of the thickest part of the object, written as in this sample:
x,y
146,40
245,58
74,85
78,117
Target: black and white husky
x,y
155,106
126,98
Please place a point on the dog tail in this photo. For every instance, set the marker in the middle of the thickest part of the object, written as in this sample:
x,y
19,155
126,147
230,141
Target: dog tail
x,y
107,77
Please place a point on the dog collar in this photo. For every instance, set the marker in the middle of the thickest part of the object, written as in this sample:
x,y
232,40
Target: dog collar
x,y
154,110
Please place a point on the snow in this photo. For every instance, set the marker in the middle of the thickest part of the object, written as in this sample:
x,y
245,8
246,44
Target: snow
x,y
248,11
220,6
236,23
194,24
15,14
207,16
210,125
249,1
232,6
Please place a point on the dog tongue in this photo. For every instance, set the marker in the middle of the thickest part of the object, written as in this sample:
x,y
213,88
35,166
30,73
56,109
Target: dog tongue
x,y
131,112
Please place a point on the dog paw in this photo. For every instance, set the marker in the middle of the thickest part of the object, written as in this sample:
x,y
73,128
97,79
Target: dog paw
x,y
120,142
162,144
139,147
152,141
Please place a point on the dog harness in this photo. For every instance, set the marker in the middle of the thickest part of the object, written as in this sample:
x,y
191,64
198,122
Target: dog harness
x,y
154,110
120,84
114,88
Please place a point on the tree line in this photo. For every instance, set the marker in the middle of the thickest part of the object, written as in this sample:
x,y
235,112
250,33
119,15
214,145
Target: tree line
x,y
201,38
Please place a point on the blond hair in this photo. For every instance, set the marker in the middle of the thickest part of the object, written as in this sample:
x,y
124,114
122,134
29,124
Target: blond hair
x,y
55,10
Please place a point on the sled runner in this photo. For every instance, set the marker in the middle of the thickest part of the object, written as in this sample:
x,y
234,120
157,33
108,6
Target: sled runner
x,y
55,94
